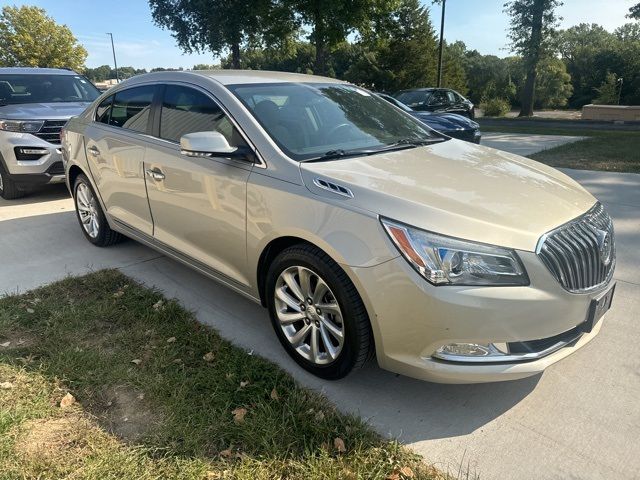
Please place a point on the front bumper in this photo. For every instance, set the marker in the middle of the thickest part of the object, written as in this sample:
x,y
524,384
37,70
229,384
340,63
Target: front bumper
x,y
411,319
473,136
46,169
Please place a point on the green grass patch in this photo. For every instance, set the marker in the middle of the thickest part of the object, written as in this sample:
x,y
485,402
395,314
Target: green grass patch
x,y
604,150
158,395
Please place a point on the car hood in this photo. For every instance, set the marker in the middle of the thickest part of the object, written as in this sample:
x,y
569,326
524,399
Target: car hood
x,y
459,189
445,121
42,111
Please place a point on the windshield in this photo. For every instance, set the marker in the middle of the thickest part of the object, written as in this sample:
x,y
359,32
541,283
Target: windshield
x,y
36,88
311,120
413,98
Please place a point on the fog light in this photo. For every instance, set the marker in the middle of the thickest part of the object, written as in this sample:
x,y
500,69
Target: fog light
x,y
30,153
465,352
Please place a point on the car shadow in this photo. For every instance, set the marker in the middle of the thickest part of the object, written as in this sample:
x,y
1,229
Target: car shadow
x,y
46,193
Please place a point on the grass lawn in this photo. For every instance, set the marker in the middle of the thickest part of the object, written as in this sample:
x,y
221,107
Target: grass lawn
x,y
611,151
101,378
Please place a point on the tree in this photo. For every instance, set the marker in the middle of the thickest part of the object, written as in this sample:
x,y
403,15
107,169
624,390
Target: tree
x,y
332,21
223,25
533,24
634,12
399,52
608,91
30,38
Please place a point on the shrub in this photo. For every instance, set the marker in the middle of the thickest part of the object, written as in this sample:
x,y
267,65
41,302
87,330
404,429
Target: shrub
x,y
495,107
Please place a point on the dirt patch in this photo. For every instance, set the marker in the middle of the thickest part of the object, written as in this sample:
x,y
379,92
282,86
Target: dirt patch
x,y
124,412
54,439
16,340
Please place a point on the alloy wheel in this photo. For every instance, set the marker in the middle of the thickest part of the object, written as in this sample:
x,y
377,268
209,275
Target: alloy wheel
x,y
309,315
86,205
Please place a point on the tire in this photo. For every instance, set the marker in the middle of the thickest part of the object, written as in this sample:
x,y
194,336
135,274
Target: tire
x,y
97,230
8,188
334,361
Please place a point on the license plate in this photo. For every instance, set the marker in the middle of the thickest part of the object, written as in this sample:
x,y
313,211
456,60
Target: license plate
x,y
598,308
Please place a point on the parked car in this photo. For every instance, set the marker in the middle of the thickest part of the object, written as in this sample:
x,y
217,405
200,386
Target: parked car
x,y
438,100
450,124
361,230
34,105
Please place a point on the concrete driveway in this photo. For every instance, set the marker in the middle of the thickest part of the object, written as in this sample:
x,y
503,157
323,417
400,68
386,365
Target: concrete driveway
x,y
580,420
525,144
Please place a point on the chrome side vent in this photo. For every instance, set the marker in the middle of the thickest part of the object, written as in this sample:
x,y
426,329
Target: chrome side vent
x,y
333,187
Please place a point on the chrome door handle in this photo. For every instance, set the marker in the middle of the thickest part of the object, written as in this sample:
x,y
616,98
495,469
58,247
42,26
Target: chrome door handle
x,y
154,173
94,151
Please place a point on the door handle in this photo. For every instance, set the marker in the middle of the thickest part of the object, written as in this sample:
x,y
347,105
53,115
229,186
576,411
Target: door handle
x,y
94,151
154,173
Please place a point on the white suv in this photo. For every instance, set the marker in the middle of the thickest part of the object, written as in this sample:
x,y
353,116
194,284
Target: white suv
x,y
35,103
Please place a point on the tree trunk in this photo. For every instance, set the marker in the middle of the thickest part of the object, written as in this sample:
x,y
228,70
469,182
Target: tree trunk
x,y
532,58
320,41
526,107
235,55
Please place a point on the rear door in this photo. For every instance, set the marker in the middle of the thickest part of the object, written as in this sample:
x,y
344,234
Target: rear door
x,y
116,144
198,203
456,103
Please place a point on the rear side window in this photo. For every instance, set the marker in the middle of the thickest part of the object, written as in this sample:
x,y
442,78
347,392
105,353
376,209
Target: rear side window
x,y
185,110
451,97
131,108
104,110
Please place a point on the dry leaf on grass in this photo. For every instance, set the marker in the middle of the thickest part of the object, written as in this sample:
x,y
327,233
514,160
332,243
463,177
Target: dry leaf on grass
x,y
319,416
407,472
244,384
118,294
208,357
226,453
158,305
30,310
338,444
171,339
6,385
238,414
67,401
393,476
274,394
178,361
20,342
5,344
137,361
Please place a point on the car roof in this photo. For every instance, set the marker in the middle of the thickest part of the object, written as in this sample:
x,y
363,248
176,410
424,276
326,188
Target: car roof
x,y
36,71
234,77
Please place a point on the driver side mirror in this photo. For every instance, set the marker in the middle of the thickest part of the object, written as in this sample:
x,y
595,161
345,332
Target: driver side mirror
x,y
212,144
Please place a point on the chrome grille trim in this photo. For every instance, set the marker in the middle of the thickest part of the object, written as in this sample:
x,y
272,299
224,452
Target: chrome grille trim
x,y
575,253
50,131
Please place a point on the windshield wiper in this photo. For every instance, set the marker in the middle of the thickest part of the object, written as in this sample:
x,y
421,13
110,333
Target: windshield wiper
x,y
340,153
399,145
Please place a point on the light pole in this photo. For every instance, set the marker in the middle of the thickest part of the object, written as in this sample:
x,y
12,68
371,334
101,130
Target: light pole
x,y
621,82
114,57
444,4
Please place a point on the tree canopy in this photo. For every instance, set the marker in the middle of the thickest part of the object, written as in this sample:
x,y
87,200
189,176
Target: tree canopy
x,y
30,38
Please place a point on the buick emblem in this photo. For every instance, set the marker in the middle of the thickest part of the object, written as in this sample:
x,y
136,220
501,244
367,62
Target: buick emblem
x,y
604,246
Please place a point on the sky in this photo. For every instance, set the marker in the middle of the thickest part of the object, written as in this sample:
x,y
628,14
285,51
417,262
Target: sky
x,y
481,24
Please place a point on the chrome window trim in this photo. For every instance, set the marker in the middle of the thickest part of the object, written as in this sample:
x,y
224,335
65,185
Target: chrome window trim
x,y
261,163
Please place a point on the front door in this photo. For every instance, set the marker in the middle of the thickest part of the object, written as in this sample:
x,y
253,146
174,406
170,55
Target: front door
x,y
116,149
198,204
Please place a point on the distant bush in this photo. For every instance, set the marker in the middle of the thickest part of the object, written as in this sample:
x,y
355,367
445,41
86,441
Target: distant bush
x,y
495,107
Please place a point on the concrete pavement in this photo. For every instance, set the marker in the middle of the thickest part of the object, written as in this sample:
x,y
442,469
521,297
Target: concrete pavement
x,y
525,144
581,419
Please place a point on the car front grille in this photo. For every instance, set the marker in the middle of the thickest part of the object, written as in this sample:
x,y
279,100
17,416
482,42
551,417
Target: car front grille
x,y
50,131
581,254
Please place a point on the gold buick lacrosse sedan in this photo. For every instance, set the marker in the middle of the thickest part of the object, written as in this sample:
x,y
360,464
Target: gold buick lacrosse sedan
x,y
361,230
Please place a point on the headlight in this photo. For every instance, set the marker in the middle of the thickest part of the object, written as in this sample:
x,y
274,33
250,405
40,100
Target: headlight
x,y
25,126
448,261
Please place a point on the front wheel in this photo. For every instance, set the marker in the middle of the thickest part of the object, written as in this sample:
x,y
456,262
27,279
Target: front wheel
x,y
317,313
8,188
90,215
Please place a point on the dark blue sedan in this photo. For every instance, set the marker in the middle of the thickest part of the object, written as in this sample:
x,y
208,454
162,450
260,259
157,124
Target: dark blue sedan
x,y
450,124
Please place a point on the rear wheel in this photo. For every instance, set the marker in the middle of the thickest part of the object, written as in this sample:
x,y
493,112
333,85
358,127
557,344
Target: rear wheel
x,y
90,215
8,188
317,313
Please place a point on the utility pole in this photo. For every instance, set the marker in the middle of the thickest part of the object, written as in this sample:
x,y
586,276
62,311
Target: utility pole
x,y
114,56
444,4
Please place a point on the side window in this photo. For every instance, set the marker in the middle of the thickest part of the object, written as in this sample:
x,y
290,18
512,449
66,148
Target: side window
x,y
104,110
451,97
131,108
185,110
438,98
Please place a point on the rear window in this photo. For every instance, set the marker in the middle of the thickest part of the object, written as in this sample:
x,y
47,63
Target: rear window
x,y
43,88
